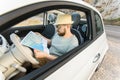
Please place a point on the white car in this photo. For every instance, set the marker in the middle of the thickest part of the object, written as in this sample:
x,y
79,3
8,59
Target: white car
x,y
18,17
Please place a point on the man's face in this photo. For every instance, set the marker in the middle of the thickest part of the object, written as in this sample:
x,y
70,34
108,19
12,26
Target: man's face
x,y
61,30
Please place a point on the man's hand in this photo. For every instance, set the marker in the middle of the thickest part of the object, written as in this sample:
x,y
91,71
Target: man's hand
x,y
40,54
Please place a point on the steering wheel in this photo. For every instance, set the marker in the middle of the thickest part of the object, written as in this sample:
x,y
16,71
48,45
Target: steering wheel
x,y
26,52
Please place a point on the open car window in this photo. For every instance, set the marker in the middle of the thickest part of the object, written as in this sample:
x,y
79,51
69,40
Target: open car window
x,y
43,20
35,20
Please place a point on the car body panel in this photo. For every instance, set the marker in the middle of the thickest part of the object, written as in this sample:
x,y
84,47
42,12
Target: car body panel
x,y
83,61
13,5
21,3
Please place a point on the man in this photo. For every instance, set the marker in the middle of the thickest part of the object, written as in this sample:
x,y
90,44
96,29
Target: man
x,y
62,42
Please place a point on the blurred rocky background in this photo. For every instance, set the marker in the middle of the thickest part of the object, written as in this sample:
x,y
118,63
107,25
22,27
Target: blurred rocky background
x,y
110,10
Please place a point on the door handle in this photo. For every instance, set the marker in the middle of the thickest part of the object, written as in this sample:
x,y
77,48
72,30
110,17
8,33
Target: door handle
x,y
96,58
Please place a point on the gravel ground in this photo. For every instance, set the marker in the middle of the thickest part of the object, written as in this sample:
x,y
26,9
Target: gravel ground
x,y
110,68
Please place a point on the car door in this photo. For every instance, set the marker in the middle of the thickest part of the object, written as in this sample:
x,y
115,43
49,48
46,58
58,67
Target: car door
x,y
77,64
83,65
80,63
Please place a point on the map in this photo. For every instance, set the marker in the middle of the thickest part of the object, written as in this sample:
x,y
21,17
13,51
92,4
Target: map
x,y
35,41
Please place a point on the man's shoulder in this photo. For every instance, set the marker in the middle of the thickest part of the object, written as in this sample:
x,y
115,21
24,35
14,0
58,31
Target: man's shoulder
x,y
75,40
74,37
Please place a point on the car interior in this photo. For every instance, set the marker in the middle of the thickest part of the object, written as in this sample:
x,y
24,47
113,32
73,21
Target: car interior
x,y
45,26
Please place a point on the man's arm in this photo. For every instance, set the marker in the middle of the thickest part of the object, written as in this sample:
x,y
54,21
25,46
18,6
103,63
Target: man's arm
x,y
40,54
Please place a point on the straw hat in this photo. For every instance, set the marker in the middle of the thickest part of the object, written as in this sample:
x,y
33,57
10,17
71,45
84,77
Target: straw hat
x,y
64,19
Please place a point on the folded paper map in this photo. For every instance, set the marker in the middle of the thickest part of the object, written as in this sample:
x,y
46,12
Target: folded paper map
x,y
35,41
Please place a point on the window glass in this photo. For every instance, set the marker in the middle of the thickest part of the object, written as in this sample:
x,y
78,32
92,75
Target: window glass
x,y
79,27
35,20
98,24
49,17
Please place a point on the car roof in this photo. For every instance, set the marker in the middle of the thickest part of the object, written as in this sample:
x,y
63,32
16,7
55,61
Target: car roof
x,y
8,5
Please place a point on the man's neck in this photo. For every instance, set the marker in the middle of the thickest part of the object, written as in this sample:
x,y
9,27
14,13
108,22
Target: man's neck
x,y
68,34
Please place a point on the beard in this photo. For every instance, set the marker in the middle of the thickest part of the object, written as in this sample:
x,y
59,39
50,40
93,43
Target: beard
x,y
62,33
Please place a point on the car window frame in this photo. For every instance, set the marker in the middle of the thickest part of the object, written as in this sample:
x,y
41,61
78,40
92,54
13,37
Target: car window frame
x,y
44,71
96,24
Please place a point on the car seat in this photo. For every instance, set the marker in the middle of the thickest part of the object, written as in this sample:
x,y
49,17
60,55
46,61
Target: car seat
x,y
76,25
49,31
78,35
84,30
52,18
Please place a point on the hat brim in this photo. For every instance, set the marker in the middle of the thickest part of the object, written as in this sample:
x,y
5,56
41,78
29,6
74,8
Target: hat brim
x,y
64,23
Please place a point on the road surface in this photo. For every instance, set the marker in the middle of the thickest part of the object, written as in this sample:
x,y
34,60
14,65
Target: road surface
x,y
110,68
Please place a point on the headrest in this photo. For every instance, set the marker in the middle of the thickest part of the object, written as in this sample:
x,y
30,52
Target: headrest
x,y
76,18
52,17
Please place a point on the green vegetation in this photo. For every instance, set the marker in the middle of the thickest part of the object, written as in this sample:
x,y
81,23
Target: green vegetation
x,y
118,19
112,21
